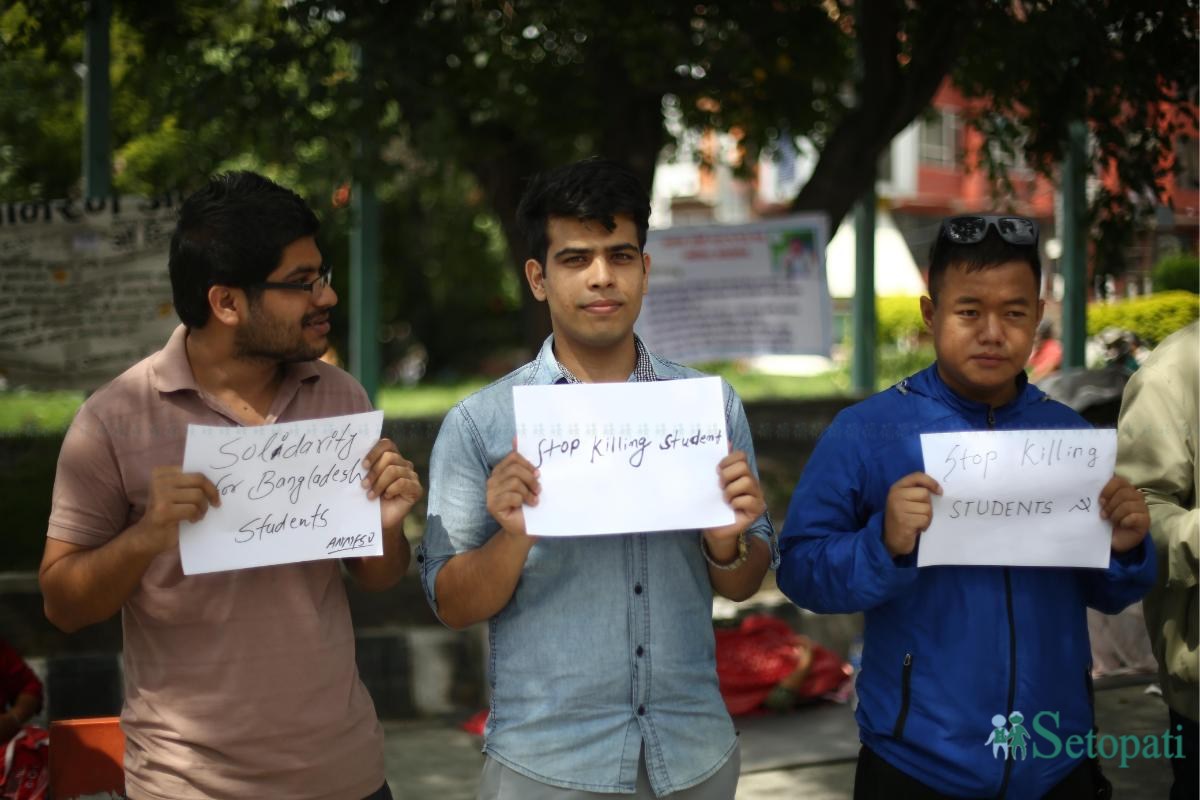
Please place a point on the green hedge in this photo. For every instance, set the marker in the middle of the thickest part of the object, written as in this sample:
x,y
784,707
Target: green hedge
x,y
898,319
1152,318
1177,271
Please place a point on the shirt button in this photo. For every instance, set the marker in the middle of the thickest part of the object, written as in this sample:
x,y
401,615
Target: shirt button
x,y
641,711
637,588
420,559
639,650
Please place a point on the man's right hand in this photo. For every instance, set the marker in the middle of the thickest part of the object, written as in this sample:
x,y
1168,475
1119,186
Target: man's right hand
x,y
174,496
512,485
909,512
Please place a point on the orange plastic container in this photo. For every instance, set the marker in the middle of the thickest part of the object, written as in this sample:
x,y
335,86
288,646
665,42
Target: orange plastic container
x,y
86,756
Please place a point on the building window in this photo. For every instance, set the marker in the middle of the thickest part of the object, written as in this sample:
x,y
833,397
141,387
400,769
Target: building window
x,y
940,139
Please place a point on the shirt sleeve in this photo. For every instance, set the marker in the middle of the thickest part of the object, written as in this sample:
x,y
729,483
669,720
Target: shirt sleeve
x,y
89,504
1155,452
457,519
740,438
833,559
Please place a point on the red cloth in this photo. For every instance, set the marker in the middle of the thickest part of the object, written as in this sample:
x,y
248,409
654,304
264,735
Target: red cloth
x,y
23,768
754,657
16,677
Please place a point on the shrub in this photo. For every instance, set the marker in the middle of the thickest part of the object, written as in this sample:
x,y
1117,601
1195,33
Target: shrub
x,y
898,321
1152,318
1177,271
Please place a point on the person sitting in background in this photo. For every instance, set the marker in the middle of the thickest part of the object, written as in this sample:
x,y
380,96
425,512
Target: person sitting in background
x,y
20,692
1047,352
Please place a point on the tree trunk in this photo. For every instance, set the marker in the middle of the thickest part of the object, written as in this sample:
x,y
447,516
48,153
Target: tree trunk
x,y
890,96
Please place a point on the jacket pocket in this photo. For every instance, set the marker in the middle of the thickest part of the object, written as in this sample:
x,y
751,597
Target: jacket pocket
x,y
905,689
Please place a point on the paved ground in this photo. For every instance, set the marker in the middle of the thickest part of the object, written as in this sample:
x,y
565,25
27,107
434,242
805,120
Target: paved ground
x,y
806,754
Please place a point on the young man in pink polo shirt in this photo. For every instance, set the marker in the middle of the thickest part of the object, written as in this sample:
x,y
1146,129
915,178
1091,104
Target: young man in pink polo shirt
x,y
237,684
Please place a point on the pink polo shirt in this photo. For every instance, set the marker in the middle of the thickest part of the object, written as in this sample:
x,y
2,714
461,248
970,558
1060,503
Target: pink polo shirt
x,y
237,684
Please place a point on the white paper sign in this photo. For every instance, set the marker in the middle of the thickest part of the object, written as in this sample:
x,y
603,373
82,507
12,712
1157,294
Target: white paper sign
x,y
1019,498
289,492
624,457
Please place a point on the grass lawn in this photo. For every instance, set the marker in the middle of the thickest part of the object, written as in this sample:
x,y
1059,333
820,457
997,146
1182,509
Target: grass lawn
x,y
25,411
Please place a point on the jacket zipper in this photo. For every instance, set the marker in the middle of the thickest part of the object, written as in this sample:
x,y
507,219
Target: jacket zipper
x,y
1012,671
905,682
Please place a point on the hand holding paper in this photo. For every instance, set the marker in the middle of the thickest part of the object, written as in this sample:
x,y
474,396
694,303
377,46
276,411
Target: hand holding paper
x,y
512,485
393,479
909,512
1125,506
175,496
743,493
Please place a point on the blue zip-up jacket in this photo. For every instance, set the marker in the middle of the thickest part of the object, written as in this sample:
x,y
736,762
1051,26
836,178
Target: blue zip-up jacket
x,y
946,649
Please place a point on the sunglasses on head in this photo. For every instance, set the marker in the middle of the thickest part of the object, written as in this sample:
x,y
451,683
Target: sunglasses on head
x,y
973,228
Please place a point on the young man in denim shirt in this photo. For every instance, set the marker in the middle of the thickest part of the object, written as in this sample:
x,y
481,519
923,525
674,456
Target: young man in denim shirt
x,y
602,667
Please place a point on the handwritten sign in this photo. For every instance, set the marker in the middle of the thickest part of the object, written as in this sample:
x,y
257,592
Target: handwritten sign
x,y
289,492
624,457
1019,498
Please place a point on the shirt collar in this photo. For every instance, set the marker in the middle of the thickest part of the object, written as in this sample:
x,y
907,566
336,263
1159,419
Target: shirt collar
x,y
643,367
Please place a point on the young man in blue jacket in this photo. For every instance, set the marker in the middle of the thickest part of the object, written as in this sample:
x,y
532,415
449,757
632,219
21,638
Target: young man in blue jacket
x,y
947,649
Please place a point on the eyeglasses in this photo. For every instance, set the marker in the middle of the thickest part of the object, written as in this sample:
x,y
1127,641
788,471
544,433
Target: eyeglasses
x,y
313,287
973,229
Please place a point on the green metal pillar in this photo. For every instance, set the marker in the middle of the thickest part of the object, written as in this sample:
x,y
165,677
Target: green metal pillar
x,y
364,286
97,147
364,257
862,364
1075,246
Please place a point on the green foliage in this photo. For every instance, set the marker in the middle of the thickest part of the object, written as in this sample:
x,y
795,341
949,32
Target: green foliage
x,y
1152,318
898,321
26,412
449,105
1178,271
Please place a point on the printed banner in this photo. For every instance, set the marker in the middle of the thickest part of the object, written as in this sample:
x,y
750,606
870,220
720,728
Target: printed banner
x,y
84,289
719,292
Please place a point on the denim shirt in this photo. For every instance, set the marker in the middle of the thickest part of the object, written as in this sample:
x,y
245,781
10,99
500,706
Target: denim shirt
x,y
606,646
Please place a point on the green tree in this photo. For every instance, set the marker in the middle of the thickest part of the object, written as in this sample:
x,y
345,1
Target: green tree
x,y
499,90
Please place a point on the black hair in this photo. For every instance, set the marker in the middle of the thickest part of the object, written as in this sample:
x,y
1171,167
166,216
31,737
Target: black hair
x,y
593,189
232,232
991,252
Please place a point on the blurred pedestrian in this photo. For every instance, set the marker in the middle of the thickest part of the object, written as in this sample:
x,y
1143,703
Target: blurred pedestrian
x,y
1156,450
1047,352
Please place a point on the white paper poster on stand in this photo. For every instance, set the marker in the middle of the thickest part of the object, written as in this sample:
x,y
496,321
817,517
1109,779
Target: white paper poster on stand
x,y
289,492
733,291
624,457
1018,498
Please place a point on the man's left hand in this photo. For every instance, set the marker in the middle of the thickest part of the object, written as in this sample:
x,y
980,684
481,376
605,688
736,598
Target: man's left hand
x,y
744,495
393,480
1124,505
